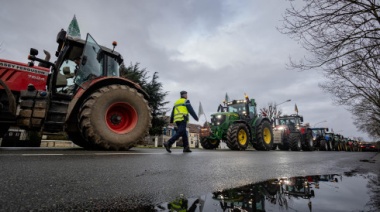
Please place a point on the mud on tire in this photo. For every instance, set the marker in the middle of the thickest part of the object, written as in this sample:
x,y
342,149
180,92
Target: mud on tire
x,y
115,117
238,137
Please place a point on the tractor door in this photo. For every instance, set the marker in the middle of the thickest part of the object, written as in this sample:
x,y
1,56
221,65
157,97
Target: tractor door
x,y
90,66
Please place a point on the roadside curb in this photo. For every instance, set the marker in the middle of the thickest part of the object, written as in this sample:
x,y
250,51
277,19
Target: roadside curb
x,y
57,143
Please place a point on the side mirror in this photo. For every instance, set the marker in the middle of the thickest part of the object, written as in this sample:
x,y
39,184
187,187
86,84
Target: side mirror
x,y
60,40
327,129
301,119
33,52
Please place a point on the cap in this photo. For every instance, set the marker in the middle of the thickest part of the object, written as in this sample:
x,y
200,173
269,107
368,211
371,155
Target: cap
x,y
183,92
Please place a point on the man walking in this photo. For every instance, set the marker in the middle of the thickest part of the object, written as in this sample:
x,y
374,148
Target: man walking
x,y
180,116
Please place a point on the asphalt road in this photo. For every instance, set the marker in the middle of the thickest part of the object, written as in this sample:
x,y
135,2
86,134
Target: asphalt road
x,y
74,179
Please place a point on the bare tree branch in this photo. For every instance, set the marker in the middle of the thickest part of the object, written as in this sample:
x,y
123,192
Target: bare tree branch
x,y
343,39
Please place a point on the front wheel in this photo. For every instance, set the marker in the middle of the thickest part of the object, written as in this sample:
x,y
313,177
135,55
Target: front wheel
x,y
115,117
238,137
264,136
295,141
308,142
323,145
208,143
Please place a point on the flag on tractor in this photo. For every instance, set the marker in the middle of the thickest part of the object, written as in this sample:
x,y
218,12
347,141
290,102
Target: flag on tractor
x,y
200,110
73,29
296,108
226,98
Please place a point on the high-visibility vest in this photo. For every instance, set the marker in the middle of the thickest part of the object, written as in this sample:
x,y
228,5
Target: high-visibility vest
x,y
180,110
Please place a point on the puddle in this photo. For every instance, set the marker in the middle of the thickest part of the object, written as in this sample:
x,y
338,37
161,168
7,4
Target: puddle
x,y
348,192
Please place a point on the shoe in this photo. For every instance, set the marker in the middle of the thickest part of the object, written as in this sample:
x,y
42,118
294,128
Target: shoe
x,y
187,150
167,147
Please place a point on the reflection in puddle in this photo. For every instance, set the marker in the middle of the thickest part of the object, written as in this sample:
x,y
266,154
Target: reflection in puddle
x,y
349,192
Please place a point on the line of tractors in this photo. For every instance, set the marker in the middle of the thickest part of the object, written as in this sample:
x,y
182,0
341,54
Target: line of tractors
x,y
238,124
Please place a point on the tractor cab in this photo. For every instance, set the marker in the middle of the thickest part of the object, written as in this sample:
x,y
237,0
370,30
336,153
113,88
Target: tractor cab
x,y
80,62
245,108
293,122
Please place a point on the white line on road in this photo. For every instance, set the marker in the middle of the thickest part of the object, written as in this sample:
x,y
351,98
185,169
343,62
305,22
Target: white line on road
x,y
41,154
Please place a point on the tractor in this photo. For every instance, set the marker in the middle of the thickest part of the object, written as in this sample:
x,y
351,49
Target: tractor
x,y
81,94
238,126
319,139
339,143
290,133
352,145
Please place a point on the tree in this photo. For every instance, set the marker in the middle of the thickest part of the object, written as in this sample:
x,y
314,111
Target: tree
x,y
271,111
342,37
155,92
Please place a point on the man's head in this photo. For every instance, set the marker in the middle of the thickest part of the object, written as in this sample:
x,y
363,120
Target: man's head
x,y
183,94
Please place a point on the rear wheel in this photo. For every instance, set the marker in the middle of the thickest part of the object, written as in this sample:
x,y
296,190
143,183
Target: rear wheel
x,y
309,144
323,145
295,141
264,136
329,145
238,136
208,143
115,117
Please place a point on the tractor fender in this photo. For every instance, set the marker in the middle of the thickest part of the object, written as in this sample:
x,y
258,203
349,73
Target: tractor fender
x,y
11,98
82,94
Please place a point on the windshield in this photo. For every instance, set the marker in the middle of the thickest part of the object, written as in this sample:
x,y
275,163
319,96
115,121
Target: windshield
x,y
95,62
287,121
90,65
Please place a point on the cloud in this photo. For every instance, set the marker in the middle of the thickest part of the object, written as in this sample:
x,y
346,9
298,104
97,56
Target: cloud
x,y
205,47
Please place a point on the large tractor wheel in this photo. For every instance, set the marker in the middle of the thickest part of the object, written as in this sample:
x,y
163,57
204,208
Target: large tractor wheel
x,y
323,146
295,141
329,145
115,117
238,137
264,136
208,143
308,144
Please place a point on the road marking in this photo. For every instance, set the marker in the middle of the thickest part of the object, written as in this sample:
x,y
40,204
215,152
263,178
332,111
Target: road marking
x,y
40,154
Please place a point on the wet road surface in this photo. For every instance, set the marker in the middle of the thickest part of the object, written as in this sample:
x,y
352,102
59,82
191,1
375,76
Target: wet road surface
x,y
74,179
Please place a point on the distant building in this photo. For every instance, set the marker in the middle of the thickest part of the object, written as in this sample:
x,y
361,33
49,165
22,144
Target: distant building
x,y
169,130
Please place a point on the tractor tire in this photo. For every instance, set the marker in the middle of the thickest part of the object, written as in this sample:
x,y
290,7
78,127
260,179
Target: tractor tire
x,y
308,144
295,141
208,143
323,146
238,137
114,117
264,136
329,146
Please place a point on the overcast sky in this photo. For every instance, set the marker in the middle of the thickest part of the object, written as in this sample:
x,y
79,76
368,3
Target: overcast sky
x,y
208,48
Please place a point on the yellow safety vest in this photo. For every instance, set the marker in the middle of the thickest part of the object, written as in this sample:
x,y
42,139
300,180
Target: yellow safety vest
x,y
180,110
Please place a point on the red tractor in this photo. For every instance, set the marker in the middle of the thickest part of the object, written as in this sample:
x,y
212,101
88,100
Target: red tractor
x,y
290,133
81,93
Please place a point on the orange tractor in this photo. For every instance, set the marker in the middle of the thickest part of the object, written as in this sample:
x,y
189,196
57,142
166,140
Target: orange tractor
x,y
81,93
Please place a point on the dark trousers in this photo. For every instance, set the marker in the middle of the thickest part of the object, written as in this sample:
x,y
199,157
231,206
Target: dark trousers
x,y
181,132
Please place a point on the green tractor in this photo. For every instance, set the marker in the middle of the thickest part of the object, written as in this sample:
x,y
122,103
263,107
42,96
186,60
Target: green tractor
x,y
237,126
